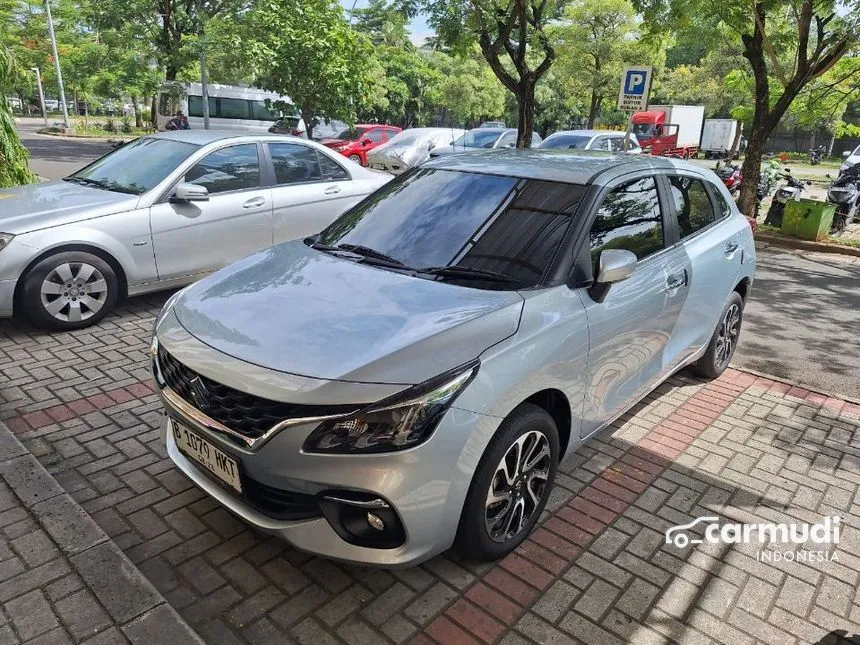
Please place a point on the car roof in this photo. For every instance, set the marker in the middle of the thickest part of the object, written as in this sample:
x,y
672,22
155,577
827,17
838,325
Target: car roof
x,y
589,133
204,137
568,166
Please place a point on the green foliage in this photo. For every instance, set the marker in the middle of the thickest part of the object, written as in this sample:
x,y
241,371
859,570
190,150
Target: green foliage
x,y
14,157
323,69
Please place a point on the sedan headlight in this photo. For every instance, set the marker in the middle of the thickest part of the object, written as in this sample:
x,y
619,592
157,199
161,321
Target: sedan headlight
x,y
397,423
5,238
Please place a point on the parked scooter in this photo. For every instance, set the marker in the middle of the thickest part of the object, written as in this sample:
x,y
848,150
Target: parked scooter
x,y
816,154
845,194
783,194
731,176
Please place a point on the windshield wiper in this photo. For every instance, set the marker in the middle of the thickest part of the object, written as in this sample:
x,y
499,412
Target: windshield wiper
x,y
365,254
104,185
456,271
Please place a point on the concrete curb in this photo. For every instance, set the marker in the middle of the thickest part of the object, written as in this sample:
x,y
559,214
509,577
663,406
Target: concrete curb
x,y
804,386
807,245
136,607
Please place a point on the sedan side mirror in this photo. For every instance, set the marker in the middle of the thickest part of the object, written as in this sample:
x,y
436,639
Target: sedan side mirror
x,y
366,142
846,154
613,265
185,192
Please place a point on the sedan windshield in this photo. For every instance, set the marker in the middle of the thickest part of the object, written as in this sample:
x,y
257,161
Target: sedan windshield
x,y
566,141
136,167
477,139
351,134
499,232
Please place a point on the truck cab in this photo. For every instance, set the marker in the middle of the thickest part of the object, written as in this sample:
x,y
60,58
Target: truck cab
x,y
670,130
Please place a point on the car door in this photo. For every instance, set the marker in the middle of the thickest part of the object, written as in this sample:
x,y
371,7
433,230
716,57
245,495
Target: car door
x,y
709,243
201,236
507,140
310,190
629,330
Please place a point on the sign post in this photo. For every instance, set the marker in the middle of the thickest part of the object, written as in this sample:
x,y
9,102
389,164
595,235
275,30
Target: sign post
x,y
633,97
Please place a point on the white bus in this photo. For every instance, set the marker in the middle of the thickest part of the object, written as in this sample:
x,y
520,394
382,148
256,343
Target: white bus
x,y
231,107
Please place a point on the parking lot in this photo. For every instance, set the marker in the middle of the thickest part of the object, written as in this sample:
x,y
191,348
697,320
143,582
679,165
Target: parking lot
x,y
597,570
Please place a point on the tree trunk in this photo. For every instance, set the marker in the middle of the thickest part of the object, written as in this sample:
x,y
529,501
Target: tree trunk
x,y
593,109
138,118
830,145
170,72
751,171
525,112
153,112
308,117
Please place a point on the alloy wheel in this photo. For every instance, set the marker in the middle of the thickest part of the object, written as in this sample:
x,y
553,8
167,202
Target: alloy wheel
x,y
727,335
517,486
74,291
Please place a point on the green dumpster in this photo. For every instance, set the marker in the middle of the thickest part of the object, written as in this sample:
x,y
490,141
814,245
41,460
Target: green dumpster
x,y
807,219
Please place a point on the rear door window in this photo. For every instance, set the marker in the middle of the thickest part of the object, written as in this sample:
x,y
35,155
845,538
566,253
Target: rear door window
x,y
374,135
294,163
693,207
629,218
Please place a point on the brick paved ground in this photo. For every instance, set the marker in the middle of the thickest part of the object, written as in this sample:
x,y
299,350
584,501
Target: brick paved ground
x,y
595,571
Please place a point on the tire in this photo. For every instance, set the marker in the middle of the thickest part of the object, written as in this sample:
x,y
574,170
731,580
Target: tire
x,y
99,290
716,358
535,430
356,159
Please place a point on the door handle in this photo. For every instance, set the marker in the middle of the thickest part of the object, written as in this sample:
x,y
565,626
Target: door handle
x,y
254,203
731,247
332,190
676,281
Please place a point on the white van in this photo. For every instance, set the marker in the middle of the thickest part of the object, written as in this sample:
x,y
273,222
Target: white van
x,y
231,107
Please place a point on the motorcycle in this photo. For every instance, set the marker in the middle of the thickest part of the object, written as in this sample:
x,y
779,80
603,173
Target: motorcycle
x,y
844,192
783,194
731,176
815,154
771,171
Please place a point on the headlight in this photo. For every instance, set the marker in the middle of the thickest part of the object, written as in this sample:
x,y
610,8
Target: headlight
x,y
5,238
397,423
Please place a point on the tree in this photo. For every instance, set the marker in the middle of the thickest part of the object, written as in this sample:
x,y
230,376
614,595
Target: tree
x,y
593,42
14,157
513,38
467,90
323,69
787,44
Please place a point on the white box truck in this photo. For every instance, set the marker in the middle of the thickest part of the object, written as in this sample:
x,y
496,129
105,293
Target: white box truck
x,y
718,136
673,130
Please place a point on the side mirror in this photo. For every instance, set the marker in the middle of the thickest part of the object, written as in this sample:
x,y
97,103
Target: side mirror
x,y
613,265
186,192
366,142
846,154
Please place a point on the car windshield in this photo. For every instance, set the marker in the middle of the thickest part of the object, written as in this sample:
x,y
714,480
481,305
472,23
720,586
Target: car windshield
x,y
135,167
351,134
477,139
566,141
472,222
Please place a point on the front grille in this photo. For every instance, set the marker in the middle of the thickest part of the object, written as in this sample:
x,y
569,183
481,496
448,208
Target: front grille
x,y
280,504
247,414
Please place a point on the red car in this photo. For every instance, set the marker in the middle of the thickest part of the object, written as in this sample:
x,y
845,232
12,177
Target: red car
x,y
356,142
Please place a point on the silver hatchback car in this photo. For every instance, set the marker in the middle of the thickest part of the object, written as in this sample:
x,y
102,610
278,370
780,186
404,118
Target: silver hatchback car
x,y
410,377
161,212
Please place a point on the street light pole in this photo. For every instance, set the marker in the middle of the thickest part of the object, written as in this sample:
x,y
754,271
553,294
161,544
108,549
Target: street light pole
x,y
41,95
204,76
57,65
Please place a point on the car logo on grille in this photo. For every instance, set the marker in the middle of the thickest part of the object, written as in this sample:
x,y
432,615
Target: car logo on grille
x,y
199,393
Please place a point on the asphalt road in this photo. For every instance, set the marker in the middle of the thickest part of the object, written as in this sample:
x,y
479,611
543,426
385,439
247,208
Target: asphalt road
x,y
801,322
55,157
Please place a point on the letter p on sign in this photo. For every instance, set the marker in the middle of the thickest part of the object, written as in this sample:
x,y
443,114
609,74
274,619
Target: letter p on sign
x,y
635,82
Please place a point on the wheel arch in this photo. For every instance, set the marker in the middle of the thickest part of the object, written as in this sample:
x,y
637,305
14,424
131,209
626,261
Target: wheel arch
x,y
743,288
557,405
67,248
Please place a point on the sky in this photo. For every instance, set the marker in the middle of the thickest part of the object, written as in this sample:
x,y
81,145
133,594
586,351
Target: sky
x,y
418,28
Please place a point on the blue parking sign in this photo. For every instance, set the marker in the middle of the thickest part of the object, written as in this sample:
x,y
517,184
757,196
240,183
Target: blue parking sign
x,y
635,87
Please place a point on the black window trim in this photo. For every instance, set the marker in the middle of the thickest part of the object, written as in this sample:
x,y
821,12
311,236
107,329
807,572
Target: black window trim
x,y
709,191
273,179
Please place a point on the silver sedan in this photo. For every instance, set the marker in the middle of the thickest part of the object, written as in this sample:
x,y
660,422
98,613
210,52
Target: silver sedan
x,y
161,212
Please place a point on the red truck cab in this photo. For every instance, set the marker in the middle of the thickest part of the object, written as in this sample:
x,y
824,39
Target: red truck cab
x,y
672,130
357,141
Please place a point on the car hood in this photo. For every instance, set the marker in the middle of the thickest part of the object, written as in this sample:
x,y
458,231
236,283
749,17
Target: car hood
x,y
404,155
37,206
297,310
333,142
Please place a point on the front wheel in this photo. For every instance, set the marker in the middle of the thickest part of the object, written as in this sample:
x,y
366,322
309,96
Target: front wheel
x,y
356,159
69,290
724,340
511,485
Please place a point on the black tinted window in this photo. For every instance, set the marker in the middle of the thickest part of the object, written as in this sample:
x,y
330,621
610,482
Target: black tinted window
x,y
263,112
233,168
439,218
294,163
234,109
692,205
195,106
629,219
375,135
331,170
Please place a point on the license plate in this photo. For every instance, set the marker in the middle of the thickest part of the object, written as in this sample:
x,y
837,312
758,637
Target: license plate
x,y
207,455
